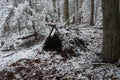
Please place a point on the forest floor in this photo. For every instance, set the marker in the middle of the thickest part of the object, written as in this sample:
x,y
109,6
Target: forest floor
x,y
28,64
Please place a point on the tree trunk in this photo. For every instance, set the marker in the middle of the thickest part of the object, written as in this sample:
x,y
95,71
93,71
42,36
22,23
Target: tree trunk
x,y
58,11
80,14
55,10
15,3
30,3
75,18
33,22
76,11
111,31
6,27
66,11
92,13
96,10
19,28
54,6
119,11
80,2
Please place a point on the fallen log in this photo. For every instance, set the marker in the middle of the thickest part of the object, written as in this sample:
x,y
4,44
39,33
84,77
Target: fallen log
x,y
28,36
28,40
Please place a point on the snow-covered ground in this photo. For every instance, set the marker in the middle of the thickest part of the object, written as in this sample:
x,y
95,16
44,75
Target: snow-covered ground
x,y
20,63
6,58
28,64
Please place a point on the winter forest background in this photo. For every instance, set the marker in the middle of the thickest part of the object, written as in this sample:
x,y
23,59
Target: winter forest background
x,y
59,40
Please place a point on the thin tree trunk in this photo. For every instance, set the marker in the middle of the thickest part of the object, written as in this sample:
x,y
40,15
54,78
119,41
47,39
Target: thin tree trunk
x,y
75,18
19,29
81,1
76,11
6,27
66,11
119,11
92,13
15,3
33,22
111,30
46,18
30,3
54,6
58,14
54,10
58,11
96,12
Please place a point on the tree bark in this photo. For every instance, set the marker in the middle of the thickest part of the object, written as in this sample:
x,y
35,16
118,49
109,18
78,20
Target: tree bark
x,y
80,14
19,28
54,6
66,11
119,11
111,31
33,22
96,10
58,10
75,18
15,3
92,13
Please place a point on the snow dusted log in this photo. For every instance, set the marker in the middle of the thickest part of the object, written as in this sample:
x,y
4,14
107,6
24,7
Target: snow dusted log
x,y
65,42
28,36
28,40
